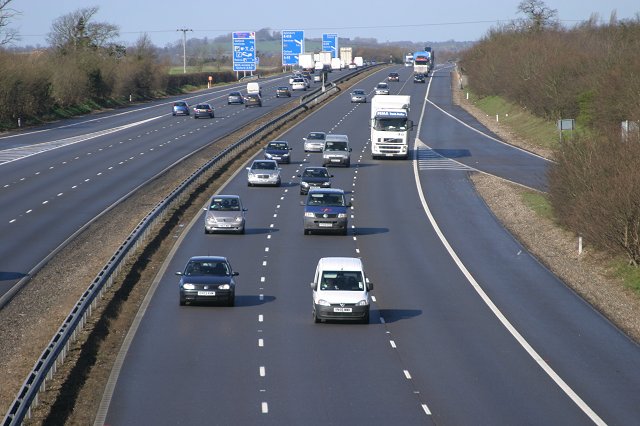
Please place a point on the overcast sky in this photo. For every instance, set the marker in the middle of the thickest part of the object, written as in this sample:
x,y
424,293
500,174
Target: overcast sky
x,y
388,20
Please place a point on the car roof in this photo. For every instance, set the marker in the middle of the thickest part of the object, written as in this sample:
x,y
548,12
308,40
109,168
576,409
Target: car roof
x,y
315,168
340,263
337,138
327,191
208,258
264,161
227,196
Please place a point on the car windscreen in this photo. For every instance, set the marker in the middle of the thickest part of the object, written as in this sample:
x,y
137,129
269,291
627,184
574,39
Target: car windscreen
x,y
336,146
318,136
213,268
264,165
278,146
316,173
342,281
329,200
225,204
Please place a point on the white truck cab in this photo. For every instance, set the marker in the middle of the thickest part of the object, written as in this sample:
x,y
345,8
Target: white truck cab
x,y
341,290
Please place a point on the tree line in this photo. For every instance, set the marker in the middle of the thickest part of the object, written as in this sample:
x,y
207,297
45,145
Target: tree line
x,y
590,73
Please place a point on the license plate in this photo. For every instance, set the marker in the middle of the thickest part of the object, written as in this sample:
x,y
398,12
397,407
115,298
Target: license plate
x,y
206,293
325,225
389,155
335,160
342,310
224,225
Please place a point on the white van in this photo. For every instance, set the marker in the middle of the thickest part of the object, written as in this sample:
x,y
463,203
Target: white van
x,y
336,151
253,87
341,290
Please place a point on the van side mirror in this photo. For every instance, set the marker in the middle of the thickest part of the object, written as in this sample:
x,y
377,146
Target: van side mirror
x,y
235,274
313,286
178,273
369,286
350,149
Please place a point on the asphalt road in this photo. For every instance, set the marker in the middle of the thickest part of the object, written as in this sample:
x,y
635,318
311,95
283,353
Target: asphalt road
x,y
56,178
466,327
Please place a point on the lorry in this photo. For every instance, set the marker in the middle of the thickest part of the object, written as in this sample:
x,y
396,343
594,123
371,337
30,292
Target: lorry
x,y
390,126
422,62
306,62
408,60
358,61
336,64
346,56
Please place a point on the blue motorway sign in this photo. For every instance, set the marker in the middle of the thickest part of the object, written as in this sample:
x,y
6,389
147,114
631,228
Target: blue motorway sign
x,y
244,51
292,46
330,44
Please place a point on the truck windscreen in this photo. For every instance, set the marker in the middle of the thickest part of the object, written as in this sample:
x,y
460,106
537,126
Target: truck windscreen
x,y
390,124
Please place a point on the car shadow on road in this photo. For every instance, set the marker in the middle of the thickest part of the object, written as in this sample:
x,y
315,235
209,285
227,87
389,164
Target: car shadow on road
x,y
259,231
369,231
5,275
394,315
253,300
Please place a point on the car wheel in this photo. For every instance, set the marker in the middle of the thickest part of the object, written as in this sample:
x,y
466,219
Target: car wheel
x,y
182,301
213,116
307,232
206,231
365,320
345,231
248,183
315,318
232,299
241,231
195,117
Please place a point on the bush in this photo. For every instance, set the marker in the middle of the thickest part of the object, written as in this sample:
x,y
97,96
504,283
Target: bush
x,y
595,191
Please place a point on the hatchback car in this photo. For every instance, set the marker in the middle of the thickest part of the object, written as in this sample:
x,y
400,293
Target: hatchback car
x,y
180,108
224,213
358,96
235,98
314,141
203,110
207,279
393,76
278,151
326,210
283,92
314,177
382,89
298,84
418,78
263,172
252,99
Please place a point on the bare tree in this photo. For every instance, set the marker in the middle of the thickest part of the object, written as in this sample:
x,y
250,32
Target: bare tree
x,y
7,35
75,31
538,15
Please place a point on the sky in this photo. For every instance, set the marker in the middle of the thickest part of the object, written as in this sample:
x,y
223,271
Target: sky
x,y
416,21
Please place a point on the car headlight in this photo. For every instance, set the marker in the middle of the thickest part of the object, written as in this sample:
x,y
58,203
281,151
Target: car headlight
x,y
326,183
227,287
285,155
323,302
304,184
342,215
309,214
211,220
364,302
267,155
188,286
238,218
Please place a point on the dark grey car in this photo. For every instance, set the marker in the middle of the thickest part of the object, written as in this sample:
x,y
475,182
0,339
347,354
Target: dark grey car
x,y
314,177
252,99
235,98
207,279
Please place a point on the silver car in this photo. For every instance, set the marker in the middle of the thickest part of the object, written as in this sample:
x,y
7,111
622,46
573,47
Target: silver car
x,y
314,141
382,89
224,213
263,172
358,96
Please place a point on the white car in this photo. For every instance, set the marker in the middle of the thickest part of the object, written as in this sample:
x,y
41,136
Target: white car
x,y
382,89
341,290
299,84
293,77
263,172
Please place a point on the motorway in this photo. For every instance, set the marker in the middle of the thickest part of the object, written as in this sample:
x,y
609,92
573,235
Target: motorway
x,y
466,326
56,178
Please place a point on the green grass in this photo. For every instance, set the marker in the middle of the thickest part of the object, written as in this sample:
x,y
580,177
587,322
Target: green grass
x,y
629,274
539,203
524,124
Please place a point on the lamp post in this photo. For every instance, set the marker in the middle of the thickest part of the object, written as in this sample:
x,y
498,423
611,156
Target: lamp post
x,y
184,48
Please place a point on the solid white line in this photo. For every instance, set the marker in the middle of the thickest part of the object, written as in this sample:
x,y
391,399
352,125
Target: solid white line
x,y
476,286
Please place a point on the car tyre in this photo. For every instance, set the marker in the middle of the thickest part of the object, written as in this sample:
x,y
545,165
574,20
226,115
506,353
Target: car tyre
x,y
365,320
241,231
315,317
232,300
307,232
